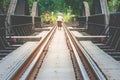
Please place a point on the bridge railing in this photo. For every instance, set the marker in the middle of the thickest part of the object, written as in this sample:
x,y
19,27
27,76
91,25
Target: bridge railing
x,y
96,26
114,31
4,42
2,25
21,25
37,21
82,21
2,31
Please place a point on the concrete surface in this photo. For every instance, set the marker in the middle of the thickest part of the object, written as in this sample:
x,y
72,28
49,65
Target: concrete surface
x,y
57,64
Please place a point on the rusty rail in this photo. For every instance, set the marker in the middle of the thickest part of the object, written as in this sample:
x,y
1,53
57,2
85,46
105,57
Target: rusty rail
x,y
85,68
27,67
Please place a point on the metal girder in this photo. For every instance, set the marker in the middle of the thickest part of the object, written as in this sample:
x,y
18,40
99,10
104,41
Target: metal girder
x,y
85,9
35,9
35,12
105,10
22,7
101,7
1,6
27,12
18,7
96,7
11,10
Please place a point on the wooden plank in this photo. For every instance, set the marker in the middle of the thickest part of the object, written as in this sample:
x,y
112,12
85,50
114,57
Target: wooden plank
x,y
42,34
57,64
12,59
109,66
77,29
26,38
100,38
41,29
77,34
103,36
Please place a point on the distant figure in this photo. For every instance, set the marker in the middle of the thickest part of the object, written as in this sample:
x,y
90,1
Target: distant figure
x,y
59,20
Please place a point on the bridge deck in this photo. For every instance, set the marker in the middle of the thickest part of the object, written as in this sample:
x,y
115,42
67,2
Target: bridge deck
x,y
109,66
14,58
57,64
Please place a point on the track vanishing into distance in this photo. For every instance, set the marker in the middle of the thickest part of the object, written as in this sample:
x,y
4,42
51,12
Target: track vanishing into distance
x,y
58,56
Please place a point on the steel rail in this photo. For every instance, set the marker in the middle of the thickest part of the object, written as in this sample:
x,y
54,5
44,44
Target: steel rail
x,y
25,76
94,66
17,72
95,69
79,61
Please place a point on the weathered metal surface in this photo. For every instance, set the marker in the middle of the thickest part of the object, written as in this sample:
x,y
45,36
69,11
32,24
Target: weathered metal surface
x,y
21,25
2,24
114,31
85,11
15,7
105,10
96,24
37,22
96,7
11,10
35,9
82,21
35,16
22,7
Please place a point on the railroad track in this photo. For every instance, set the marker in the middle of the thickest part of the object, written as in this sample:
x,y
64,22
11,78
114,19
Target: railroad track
x,y
84,66
30,65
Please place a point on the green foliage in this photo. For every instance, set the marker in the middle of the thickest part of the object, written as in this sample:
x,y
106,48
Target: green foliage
x,y
30,2
5,4
48,17
90,4
113,5
72,6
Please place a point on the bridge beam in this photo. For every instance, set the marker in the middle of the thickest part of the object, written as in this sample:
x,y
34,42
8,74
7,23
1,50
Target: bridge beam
x,y
101,7
96,7
1,6
85,9
22,7
35,12
35,8
105,10
18,7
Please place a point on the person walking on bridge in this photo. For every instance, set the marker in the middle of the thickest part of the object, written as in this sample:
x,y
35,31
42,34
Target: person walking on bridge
x,y
59,21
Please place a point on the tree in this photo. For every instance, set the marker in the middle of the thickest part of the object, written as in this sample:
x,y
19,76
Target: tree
x,y
5,5
113,5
